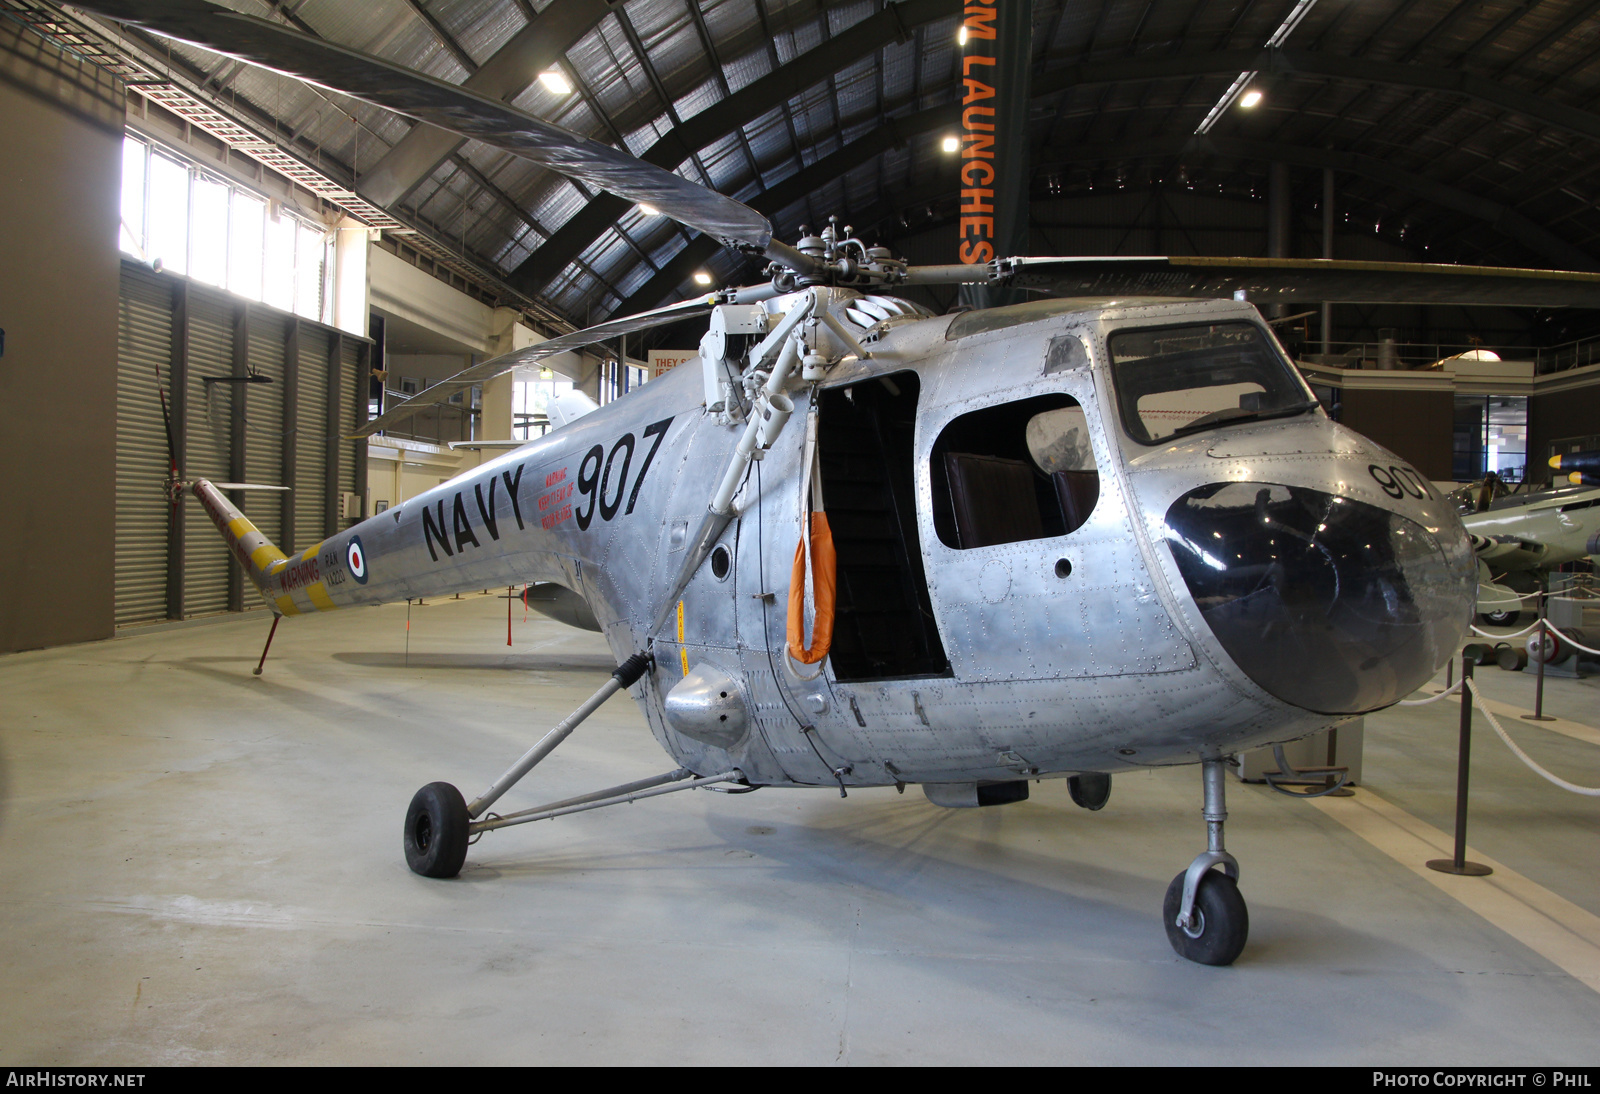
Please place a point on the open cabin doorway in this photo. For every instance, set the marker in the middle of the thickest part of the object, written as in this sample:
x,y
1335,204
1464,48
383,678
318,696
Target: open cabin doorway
x,y
883,618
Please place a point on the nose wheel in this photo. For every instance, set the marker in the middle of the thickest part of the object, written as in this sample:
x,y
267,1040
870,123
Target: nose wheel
x,y
1205,917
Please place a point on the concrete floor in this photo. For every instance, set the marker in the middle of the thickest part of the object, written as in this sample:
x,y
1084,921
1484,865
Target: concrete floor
x,y
200,866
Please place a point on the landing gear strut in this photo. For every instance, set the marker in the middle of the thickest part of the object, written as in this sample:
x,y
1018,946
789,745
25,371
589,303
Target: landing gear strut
x,y
441,823
1204,914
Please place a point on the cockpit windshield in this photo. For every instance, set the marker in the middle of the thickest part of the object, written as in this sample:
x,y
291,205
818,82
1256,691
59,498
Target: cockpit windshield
x,y
1176,380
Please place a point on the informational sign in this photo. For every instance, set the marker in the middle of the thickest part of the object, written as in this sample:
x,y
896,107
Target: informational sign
x,y
662,360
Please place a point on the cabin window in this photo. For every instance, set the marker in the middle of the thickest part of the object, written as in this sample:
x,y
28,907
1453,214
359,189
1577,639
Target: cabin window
x,y
1176,380
1014,472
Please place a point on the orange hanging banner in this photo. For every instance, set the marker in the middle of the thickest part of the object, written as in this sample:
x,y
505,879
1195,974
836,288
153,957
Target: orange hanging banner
x,y
824,564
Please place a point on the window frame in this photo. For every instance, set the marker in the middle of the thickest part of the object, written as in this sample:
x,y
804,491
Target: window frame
x,y
1128,418
307,272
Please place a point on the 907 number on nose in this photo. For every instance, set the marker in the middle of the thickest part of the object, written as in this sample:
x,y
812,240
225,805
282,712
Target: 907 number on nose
x,y
1397,482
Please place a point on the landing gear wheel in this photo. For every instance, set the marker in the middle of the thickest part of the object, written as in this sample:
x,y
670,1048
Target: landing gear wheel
x,y
1502,619
1090,790
1222,921
436,831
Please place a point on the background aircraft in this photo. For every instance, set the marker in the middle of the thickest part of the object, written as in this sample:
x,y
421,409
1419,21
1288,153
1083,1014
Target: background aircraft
x,y
1519,535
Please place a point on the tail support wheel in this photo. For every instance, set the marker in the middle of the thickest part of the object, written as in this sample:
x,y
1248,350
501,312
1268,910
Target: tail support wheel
x,y
437,827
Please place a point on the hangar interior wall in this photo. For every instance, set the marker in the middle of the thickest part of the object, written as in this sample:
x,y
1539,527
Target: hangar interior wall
x,y
194,343
1418,426
61,131
1562,415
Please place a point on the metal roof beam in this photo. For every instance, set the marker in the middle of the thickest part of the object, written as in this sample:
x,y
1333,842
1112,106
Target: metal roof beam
x,y
720,119
533,49
717,68
506,202
642,55
593,102
443,35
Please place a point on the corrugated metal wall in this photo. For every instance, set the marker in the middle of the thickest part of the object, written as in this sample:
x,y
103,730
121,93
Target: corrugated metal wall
x,y
189,331
144,345
264,425
205,555
352,410
311,439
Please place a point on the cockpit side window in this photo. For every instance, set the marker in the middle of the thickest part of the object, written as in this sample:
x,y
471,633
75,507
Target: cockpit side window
x,y
1177,380
1014,472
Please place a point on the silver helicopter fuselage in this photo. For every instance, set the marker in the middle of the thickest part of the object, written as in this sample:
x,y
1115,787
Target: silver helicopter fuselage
x,y
1100,649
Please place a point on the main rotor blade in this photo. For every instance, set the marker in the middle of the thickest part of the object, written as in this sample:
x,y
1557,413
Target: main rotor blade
x,y
483,371
446,105
1305,280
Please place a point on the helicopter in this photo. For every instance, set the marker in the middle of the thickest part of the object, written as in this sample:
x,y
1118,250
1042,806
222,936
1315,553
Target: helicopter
x,y
864,545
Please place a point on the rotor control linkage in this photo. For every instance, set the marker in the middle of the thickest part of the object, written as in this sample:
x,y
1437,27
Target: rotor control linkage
x,y
780,350
626,675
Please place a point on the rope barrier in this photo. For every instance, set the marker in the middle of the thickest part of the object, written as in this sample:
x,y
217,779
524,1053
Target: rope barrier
x,y
1451,690
1481,633
1477,701
1507,594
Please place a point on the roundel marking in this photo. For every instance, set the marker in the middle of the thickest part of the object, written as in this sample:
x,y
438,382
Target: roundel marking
x,y
356,556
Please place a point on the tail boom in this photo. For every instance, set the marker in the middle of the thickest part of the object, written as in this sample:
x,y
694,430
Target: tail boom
x,y
263,560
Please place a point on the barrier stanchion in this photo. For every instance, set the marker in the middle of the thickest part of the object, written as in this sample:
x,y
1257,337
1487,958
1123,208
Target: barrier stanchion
x,y
1546,648
1459,863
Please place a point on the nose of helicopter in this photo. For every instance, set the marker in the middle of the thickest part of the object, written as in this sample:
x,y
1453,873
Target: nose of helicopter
x,y
1331,604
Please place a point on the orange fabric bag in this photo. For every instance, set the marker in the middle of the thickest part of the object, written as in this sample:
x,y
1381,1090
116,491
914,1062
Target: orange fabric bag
x,y
824,578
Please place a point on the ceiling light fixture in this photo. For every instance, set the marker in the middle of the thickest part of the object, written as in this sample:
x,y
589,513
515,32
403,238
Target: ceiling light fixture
x,y
1250,98
951,144
1238,86
702,278
556,81
961,37
649,210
